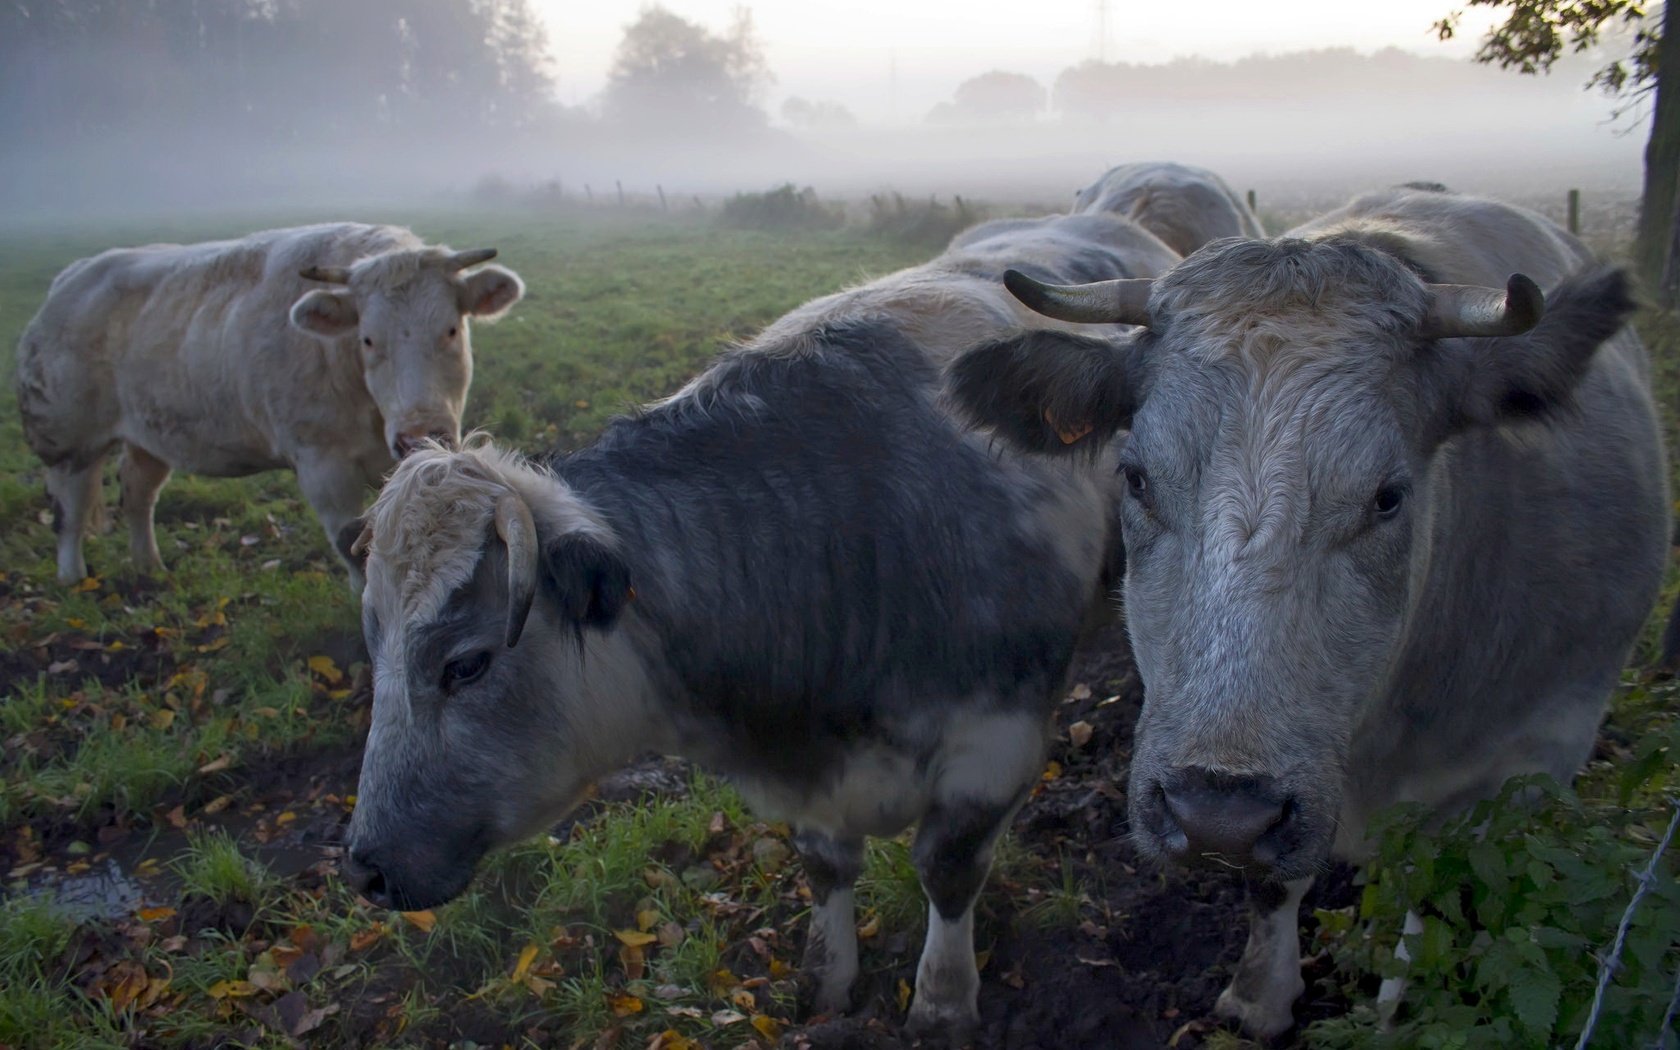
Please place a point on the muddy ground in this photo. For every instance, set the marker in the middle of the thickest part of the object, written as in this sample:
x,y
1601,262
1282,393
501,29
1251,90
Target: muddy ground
x,y
1139,966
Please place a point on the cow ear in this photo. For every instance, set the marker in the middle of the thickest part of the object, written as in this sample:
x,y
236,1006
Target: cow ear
x,y
1502,379
490,292
588,582
325,314
1048,391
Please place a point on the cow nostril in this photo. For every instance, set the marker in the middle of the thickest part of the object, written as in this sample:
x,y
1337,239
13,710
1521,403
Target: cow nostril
x,y
364,875
1223,815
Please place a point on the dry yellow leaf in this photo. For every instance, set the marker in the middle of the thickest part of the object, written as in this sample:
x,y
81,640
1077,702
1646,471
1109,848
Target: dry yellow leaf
x,y
527,955
326,668
624,1004
869,927
903,994
779,969
216,765
162,718
767,1026
647,919
155,914
232,990
635,938
1053,770
425,920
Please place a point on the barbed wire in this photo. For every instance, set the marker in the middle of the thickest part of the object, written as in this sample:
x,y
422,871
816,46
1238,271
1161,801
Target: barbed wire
x,y
1608,966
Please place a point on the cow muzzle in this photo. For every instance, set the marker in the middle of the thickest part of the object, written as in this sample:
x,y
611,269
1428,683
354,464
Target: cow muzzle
x,y
388,881
409,440
1199,815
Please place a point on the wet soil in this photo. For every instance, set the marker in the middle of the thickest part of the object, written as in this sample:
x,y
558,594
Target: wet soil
x,y
1139,966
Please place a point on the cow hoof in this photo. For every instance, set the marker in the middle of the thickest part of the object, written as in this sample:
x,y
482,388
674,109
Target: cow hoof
x,y
953,1023
1262,1020
834,1000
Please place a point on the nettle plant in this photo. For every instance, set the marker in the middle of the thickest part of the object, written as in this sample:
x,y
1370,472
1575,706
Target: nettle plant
x,y
1521,901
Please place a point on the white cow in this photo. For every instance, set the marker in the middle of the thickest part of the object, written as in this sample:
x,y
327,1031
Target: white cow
x,y
183,355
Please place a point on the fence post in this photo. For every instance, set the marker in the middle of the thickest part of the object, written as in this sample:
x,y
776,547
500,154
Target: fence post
x,y
662,205
620,186
589,193
1575,212
1252,206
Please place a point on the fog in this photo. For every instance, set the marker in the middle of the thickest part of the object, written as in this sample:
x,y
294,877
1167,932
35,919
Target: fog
x,y
188,105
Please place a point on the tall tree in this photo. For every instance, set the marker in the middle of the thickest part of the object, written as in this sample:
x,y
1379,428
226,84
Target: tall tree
x,y
674,77
1536,33
994,96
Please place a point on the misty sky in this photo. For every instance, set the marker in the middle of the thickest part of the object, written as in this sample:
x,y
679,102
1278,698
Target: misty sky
x,y
847,51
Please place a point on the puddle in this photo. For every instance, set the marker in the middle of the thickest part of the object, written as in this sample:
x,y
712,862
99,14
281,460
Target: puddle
x,y
106,892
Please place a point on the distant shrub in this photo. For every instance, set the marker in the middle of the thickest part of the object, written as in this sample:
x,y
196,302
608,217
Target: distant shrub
x,y
921,222
783,208
1521,899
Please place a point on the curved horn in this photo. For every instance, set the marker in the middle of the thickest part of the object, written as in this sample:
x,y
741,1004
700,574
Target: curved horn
x,y
329,274
1125,301
364,540
519,535
471,257
1471,310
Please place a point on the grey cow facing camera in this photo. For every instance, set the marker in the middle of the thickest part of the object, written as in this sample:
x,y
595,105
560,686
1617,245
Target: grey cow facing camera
x,y
1394,518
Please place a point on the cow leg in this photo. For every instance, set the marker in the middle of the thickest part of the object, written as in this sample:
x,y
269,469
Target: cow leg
x,y
953,853
1261,996
1393,989
334,488
142,475
76,492
831,866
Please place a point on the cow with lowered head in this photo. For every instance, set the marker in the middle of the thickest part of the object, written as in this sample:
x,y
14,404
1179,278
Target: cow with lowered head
x,y
183,356
1185,206
799,571
1394,518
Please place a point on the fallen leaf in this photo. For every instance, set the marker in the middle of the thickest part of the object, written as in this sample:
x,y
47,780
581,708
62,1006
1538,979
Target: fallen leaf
x,y
870,927
217,804
1052,770
779,969
326,668
671,935
285,818
176,817
1079,734
155,914
720,981
671,1039
527,955
424,920
744,999
363,939
728,1017
634,938
903,995
89,583
634,962
216,765
623,1004
767,1026
717,826
162,718
231,990
981,958
647,919
1080,692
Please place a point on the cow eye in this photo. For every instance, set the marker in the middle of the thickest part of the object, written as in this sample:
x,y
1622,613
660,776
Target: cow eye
x,y
1388,500
466,669
452,332
367,341
1137,482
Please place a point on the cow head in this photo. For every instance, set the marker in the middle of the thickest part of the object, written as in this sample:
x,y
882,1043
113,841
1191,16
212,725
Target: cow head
x,y
1287,403
491,591
408,311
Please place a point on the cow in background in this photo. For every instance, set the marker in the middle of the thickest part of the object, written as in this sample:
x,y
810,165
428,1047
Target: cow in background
x,y
184,357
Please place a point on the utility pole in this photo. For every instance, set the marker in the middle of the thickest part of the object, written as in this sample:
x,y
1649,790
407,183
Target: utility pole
x,y
1102,31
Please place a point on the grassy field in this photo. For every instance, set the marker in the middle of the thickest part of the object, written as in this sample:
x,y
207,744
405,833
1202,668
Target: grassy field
x,y
191,740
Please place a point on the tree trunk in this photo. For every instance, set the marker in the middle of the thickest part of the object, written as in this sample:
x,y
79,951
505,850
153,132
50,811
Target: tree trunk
x,y
1662,167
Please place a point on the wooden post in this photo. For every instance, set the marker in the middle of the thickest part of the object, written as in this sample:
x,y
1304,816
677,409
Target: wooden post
x,y
697,205
1575,212
1252,205
587,192
620,186
662,205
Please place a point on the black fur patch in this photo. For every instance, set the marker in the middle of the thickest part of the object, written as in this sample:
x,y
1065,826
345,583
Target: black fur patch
x,y
1032,388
